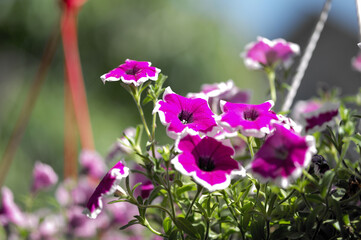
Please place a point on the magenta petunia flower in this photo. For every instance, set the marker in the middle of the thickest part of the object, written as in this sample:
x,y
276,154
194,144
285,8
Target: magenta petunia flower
x,y
43,177
265,52
9,211
107,186
356,62
226,91
250,120
314,116
179,113
282,156
93,164
207,160
132,72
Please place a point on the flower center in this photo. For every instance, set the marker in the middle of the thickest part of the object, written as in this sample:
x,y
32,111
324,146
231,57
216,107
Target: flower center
x,y
132,71
250,114
185,117
206,164
281,153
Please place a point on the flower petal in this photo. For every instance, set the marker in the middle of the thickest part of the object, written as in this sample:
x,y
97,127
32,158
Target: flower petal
x,y
108,185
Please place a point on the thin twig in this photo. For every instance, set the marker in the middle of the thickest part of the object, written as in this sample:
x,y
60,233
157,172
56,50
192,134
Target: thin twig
x,y
296,81
29,105
358,9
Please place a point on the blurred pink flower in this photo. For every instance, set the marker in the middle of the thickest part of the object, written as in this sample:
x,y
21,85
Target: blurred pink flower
x,y
269,53
314,115
43,177
92,163
9,211
356,62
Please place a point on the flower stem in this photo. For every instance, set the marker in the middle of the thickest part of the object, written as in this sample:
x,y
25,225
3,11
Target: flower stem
x,y
272,78
302,67
250,146
29,104
199,190
137,97
233,214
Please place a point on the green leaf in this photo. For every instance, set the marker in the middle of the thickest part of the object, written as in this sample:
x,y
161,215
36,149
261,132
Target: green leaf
x,y
174,235
167,224
326,182
178,182
130,223
187,227
186,188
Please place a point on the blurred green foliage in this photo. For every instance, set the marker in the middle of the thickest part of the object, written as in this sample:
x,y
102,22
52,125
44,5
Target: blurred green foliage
x,y
190,48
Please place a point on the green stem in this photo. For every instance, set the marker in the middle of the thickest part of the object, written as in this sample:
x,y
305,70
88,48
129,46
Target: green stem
x,y
136,97
199,190
146,223
288,197
272,78
170,194
232,213
250,146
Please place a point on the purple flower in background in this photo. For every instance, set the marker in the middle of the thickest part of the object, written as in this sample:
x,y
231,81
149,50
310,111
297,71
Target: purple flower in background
x,y
79,225
49,228
226,91
356,62
207,160
43,177
314,116
107,186
132,72
179,113
9,211
250,120
267,53
93,164
282,156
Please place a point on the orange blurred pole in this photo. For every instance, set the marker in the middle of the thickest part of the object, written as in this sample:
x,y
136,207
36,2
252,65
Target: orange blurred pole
x,y
70,137
74,75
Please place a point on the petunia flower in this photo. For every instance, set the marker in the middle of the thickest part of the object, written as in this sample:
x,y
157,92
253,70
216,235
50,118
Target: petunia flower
x,y
288,123
250,120
9,211
179,113
226,91
132,72
207,160
282,156
107,186
43,177
267,53
314,116
356,62
93,164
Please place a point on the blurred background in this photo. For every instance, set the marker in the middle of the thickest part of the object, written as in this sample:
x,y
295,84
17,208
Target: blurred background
x,y
193,42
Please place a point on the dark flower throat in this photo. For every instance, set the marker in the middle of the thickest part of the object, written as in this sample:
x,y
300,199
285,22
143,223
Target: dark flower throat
x,y
185,117
206,164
